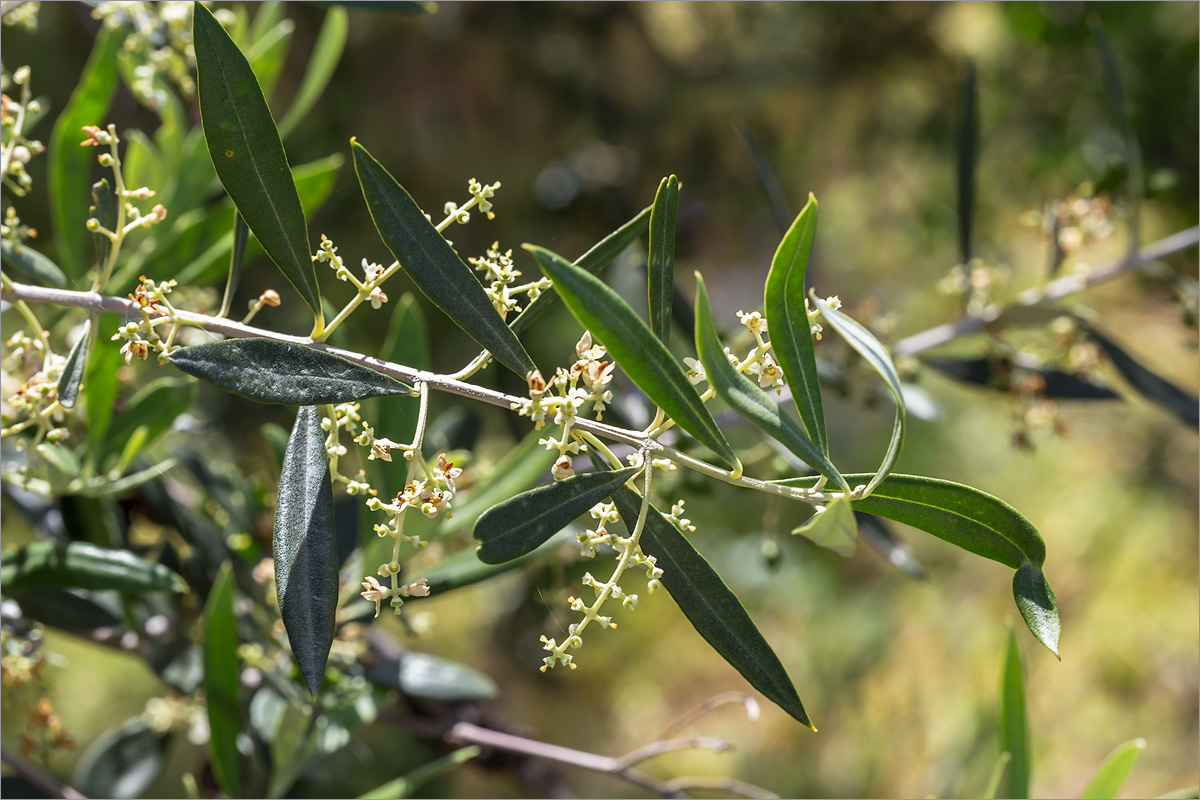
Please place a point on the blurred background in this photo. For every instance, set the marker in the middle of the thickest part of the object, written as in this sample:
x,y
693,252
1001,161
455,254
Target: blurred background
x,y
580,110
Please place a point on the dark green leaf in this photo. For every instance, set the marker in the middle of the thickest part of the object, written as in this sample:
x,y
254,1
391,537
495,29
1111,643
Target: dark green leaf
x,y
248,155
84,566
880,537
122,763
155,407
711,607
321,64
68,610
520,468
875,354
423,675
70,165
237,255
404,787
31,265
834,528
74,369
433,265
968,158
997,373
1014,728
1038,607
1108,780
745,397
221,683
787,322
599,256
645,359
1161,391
520,524
305,545
104,209
660,280
271,371
766,177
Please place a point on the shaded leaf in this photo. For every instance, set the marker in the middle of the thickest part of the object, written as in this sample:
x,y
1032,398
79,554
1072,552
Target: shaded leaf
x,y
997,373
155,407
433,265
237,256
660,268
268,52
326,53
745,397
711,607
404,787
520,524
68,610
248,155
599,256
221,683
766,177
968,159
104,209
835,528
645,359
788,324
520,468
31,265
305,548
122,763
424,675
880,538
1161,391
69,169
84,566
271,371
1014,727
1113,773
465,569
74,369
875,354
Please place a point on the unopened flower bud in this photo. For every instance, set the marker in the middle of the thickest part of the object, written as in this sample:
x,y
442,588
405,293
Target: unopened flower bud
x,y
269,298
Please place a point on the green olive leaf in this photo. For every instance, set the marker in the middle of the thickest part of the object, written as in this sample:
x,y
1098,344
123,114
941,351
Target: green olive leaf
x,y
660,269
835,528
1014,725
1113,773
74,369
30,264
84,566
222,679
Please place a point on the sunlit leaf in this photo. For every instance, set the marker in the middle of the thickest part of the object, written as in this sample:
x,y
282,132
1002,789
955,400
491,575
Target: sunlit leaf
x,y
431,262
1014,726
1148,383
221,683
875,354
326,53
835,528
520,524
744,395
29,264
1037,604
104,209
788,325
123,762
248,155
84,566
271,371
660,269
74,369
1108,780
268,53
305,548
645,359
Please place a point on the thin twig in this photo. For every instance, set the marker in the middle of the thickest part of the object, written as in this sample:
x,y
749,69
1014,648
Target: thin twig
x,y
655,749
725,698
47,784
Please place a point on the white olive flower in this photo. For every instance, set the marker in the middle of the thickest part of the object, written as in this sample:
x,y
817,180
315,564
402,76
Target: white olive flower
x,y
695,372
375,592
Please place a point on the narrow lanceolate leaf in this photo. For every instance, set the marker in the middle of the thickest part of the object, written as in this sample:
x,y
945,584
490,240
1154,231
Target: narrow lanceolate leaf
x,y
271,371
433,265
100,382
871,349
895,551
788,325
712,608
645,359
520,468
305,547
1108,780
766,177
745,397
660,269
237,255
522,523
73,370
123,762
1014,727
968,157
221,681
84,566
104,209
321,64
978,523
155,408
835,528
1151,385
599,256
248,155
31,265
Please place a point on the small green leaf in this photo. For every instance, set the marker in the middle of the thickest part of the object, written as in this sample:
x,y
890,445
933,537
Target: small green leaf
x,y
745,397
428,676
433,265
104,209
520,524
222,682
305,548
73,370
968,158
123,762
70,166
660,280
995,784
870,348
100,383
834,528
1038,606
324,59
155,407
1014,727
520,468
237,255
68,610
599,256
645,359
714,610
31,265
248,155
84,566
268,53
787,322
404,787
1148,383
766,177
1108,780
271,371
